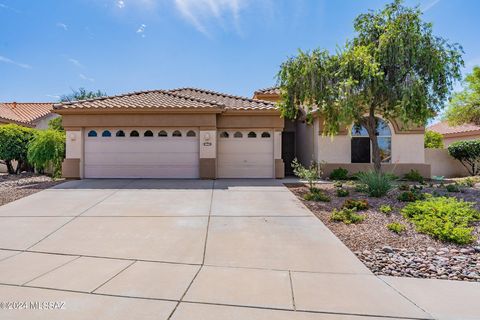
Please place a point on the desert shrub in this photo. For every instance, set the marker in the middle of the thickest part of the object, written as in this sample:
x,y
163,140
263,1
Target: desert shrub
x,y
56,124
317,195
433,140
410,196
444,218
468,153
310,174
356,204
386,209
360,187
468,182
47,149
396,227
342,192
404,187
377,183
391,176
14,140
339,174
346,216
413,175
453,187
338,184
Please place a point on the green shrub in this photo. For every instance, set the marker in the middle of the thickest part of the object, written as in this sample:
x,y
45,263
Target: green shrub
x,y
468,182
453,188
377,183
396,227
310,174
444,218
356,204
410,196
404,187
47,149
433,140
414,175
338,184
346,216
56,124
468,153
342,192
360,187
339,174
14,140
386,209
317,195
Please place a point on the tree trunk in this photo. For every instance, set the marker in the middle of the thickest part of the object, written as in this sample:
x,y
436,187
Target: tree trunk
x,y
9,165
371,126
19,166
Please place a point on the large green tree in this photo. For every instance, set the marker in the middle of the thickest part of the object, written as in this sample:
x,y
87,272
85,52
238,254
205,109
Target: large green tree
x,y
81,94
394,66
464,106
14,140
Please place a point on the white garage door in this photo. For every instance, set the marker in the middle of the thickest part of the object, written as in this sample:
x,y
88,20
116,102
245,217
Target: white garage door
x,y
141,153
245,154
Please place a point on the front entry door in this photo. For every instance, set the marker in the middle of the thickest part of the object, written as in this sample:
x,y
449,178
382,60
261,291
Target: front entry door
x,y
288,151
361,150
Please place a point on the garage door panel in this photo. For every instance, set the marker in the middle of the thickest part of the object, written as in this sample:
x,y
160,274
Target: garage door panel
x,y
141,158
141,171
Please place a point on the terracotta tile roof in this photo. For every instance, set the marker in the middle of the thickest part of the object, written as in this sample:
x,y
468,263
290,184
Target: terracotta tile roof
x,y
226,100
271,90
176,98
25,112
141,100
444,129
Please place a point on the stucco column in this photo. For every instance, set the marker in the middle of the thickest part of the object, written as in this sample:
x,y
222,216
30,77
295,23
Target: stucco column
x,y
208,153
71,166
277,154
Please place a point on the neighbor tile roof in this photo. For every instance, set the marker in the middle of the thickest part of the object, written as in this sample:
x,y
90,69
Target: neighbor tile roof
x,y
271,90
444,129
25,113
227,100
176,98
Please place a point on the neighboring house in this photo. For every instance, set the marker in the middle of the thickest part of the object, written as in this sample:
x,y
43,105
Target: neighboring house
x,y
29,114
455,133
402,147
181,133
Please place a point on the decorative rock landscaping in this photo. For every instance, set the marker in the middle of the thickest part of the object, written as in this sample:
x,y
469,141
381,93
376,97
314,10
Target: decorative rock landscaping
x,y
14,187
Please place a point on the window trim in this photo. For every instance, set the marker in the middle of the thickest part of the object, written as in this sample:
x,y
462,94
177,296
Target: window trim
x,y
120,135
387,123
136,135
150,134
191,134
266,135
224,135
163,134
238,135
106,133
92,134
177,134
252,135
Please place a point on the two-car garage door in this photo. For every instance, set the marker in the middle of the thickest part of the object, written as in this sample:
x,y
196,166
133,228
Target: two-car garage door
x,y
141,153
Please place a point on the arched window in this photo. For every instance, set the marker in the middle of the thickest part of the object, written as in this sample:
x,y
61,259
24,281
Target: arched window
x,y
252,134
224,134
361,144
265,135
120,133
92,133
148,133
176,133
163,133
238,134
191,133
106,133
134,133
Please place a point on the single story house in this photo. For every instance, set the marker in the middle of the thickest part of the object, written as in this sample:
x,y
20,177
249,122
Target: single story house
x,y
455,133
28,114
196,133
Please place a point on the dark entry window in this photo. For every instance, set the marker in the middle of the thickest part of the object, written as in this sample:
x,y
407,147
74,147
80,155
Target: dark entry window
x,y
361,150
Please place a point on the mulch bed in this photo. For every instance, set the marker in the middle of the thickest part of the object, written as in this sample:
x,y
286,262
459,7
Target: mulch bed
x,y
14,187
409,254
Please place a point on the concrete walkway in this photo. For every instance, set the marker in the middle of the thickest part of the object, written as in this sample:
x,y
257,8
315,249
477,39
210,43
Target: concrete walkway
x,y
158,249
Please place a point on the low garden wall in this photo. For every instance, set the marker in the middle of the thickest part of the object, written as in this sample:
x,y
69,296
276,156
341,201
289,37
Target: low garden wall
x,y
442,164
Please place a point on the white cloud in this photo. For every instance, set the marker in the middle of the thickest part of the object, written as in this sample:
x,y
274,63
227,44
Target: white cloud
x,y
120,4
62,25
430,5
84,77
141,30
75,62
18,64
199,12
53,96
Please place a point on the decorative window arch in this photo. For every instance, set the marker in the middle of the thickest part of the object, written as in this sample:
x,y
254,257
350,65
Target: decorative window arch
x,y
252,134
120,133
92,133
238,134
163,133
265,134
176,133
148,133
361,144
134,133
106,133
224,134
191,133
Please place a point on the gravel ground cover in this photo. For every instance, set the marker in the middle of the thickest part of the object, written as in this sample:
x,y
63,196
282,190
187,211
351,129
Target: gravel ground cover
x,y
14,187
410,253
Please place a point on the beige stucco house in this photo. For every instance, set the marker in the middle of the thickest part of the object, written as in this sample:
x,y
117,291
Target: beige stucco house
x,y
29,114
195,133
453,134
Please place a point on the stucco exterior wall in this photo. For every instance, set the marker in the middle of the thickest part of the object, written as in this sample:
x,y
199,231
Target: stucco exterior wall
x,y
442,164
408,148
42,123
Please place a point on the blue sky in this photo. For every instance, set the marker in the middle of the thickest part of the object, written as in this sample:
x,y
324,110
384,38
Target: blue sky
x,y
234,46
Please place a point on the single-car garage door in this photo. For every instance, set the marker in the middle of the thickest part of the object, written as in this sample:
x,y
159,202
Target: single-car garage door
x,y
245,154
141,153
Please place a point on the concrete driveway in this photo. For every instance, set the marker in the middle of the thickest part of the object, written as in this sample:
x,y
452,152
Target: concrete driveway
x,y
159,249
